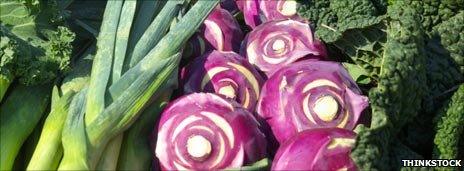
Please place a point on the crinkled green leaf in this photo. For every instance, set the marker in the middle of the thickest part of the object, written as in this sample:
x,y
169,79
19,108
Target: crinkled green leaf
x,y
442,74
449,126
401,88
333,17
451,34
358,74
357,28
400,152
42,48
434,12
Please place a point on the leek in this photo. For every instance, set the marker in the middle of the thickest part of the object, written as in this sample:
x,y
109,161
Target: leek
x,y
19,114
49,146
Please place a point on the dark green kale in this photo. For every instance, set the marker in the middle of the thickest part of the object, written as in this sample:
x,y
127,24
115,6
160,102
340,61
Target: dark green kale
x,y
451,33
400,90
401,152
444,74
450,127
356,28
434,12
333,17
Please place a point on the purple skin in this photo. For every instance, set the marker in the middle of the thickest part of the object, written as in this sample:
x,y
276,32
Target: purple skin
x,y
317,149
256,12
310,94
231,133
251,12
224,73
230,6
222,31
279,9
275,44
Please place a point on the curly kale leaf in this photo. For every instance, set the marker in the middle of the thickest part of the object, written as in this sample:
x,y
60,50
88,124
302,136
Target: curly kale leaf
x,y
451,33
450,127
372,146
365,47
442,74
8,49
333,17
402,78
336,22
445,63
357,28
434,12
37,47
401,152
401,88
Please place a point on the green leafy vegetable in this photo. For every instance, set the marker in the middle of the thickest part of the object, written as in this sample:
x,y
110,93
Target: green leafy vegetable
x,y
333,17
451,33
449,126
35,48
401,87
358,74
357,28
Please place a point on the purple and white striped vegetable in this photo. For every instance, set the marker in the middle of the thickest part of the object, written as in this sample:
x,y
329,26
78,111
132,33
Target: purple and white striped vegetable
x,y
256,12
251,12
222,31
203,131
279,9
310,94
224,73
275,44
219,31
317,149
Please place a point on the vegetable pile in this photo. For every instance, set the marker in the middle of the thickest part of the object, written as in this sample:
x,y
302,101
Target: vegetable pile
x,y
230,84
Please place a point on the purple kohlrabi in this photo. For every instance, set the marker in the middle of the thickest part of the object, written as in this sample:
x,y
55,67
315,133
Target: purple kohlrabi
x,y
224,73
310,94
203,131
220,31
230,6
317,149
251,12
275,44
279,9
256,12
